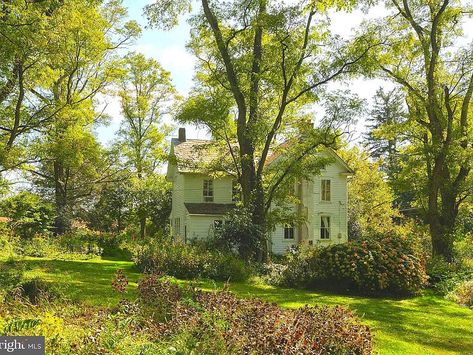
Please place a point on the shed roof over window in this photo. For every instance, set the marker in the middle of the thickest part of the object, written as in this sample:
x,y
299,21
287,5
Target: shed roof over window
x,y
209,208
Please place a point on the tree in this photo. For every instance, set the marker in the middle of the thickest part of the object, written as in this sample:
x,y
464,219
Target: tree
x,y
370,198
261,63
111,211
421,52
382,139
71,164
30,214
385,140
24,27
145,96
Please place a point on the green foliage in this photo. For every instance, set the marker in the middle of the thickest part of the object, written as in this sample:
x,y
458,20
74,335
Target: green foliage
x,y
30,214
117,245
11,274
370,198
444,277
40,246
188,261
463,294
151,201
36,290
81,239
88,283
112,209
416,52
146,93
463,247
8,242
238,235
389,265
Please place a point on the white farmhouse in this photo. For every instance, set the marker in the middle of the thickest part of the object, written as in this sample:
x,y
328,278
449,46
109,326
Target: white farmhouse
x,y
200,201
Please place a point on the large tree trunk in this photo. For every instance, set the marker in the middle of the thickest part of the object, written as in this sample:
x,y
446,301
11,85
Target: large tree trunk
x,y
442,241
443,207
142,227
259,219
60,200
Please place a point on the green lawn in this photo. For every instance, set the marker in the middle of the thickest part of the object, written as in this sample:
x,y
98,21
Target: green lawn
x,y
422,325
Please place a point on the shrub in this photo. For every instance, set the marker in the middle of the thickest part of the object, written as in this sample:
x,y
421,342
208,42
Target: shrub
x,y
444,276
463,294
81,239
274,273
463,247
8,243
11,274
120,282
388,266
114,245
36,290
238,235
40,246
30,214
188,262
218,322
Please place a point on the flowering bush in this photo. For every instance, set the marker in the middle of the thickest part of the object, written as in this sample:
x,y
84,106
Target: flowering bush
x,y
187,261
387,265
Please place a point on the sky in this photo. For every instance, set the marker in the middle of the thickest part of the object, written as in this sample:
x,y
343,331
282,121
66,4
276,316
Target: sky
x,y
169,48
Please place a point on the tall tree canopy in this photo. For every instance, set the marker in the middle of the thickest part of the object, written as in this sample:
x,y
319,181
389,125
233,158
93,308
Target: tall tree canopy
x,y
51,49
261,65
146,94
422,52
78,62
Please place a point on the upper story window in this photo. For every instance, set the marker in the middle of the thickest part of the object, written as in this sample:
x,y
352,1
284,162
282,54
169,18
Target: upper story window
x,y
324,227
208,191
288,231
325,190
236,194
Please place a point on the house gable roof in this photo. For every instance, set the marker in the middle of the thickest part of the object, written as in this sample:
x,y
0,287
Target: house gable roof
x,y
198,155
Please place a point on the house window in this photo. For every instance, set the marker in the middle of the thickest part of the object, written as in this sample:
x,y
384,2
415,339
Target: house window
x,y
236,196
288,231
208,191
325,190
177,227
324,227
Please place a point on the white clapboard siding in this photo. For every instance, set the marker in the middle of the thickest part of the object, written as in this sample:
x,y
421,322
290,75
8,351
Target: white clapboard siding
x,y
336,209
188,188
193,188
200,227
278,244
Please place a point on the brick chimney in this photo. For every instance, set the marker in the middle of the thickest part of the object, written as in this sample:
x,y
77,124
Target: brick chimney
x,y
182,134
